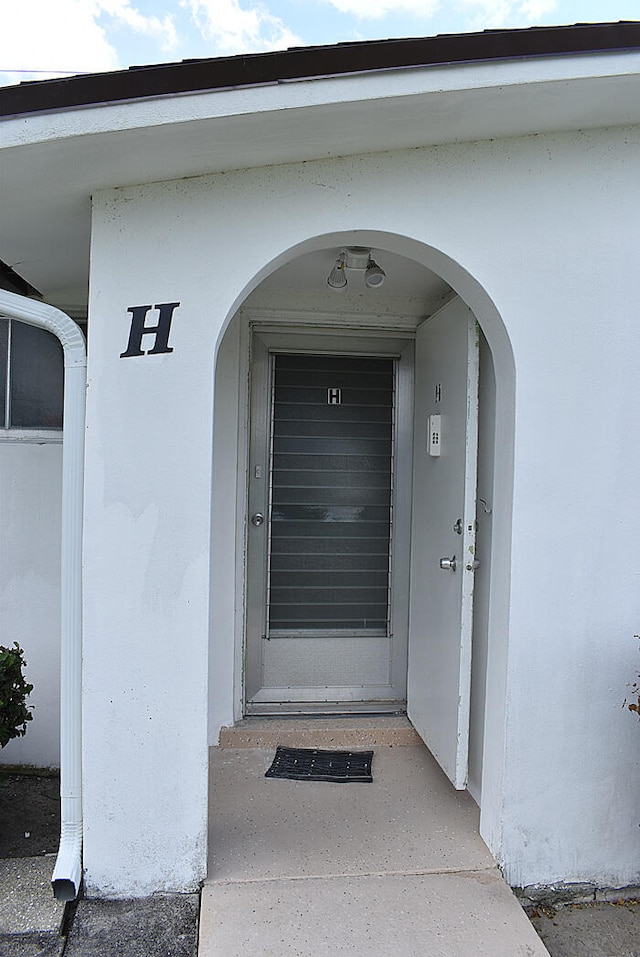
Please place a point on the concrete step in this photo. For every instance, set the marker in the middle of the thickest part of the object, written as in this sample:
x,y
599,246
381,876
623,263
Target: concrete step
x,y
340,732
471,914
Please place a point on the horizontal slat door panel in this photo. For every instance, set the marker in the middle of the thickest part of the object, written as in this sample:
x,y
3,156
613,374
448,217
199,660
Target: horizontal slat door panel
x,y
331,483
305,362
358,429
294,478
353,397
329,462
304,595
350,445
339,495
342,413
326,618
301,578
369,382
305,545
312,515
364,561
333,530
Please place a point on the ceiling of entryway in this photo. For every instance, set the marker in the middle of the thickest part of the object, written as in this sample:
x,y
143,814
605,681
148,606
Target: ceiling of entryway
x,y
404,277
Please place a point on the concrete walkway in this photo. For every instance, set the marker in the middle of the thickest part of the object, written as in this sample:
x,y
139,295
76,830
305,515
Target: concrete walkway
x,y
312,869
30,918
32,922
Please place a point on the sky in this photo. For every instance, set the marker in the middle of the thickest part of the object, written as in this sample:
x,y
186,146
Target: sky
x,y
46,38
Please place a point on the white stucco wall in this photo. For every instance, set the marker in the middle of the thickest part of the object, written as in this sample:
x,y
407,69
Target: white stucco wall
x,y
30,503
540,230
147,533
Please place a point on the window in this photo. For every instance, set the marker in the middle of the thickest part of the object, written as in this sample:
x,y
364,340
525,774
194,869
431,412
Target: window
x,y
31,377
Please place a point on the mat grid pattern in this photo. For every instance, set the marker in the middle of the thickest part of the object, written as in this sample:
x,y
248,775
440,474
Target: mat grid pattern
x,y
314,764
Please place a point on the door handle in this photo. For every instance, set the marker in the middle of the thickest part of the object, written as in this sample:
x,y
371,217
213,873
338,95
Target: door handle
x,y
448,564
257,519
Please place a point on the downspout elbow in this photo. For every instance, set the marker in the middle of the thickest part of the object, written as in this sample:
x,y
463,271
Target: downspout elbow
x,y
67,874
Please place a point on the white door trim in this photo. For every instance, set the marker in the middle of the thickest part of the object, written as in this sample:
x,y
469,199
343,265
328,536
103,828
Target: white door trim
x,y
361,342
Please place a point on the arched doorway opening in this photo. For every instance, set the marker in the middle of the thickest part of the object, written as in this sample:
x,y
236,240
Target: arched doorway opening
x,y
292,311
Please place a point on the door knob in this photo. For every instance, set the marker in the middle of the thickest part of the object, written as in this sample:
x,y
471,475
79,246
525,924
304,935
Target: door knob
x,y
257,519
448,564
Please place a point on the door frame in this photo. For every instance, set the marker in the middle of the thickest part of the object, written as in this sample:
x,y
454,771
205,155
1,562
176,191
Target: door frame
x,y
264,338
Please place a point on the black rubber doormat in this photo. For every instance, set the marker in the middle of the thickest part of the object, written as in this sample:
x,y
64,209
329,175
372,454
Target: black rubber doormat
x,y
311,764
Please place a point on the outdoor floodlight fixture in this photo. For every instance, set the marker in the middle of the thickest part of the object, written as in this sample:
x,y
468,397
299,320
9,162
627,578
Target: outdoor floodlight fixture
x,y
355,257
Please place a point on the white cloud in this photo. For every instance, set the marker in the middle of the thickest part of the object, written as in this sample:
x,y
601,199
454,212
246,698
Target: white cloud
x,y
162,30
488,13
233,28
535,10
505,13
43,37
481,14
368,10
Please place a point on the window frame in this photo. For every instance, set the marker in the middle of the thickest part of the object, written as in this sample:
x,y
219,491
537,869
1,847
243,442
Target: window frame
x,y
39,435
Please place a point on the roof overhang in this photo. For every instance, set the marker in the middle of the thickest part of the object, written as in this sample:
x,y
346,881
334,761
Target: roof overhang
x,y
52,162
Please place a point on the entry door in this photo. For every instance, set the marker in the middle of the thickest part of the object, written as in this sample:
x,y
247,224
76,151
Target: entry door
x,y
324,626
443,535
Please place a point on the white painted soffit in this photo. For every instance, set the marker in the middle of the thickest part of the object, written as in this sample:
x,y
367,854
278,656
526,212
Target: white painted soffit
x,y
51,164
483,100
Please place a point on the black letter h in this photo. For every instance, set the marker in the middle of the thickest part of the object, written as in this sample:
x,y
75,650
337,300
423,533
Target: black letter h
x,y
160,331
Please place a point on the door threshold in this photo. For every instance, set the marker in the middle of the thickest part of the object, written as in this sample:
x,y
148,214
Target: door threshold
x,y
362,730
338,709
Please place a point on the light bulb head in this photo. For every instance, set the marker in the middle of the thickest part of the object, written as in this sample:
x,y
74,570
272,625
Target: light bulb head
x,y
337,278
374,276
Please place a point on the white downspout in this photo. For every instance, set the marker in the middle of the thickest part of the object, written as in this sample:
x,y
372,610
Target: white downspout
x,y
67,874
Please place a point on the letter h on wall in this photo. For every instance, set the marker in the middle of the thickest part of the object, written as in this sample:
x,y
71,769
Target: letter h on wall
x,y
161,330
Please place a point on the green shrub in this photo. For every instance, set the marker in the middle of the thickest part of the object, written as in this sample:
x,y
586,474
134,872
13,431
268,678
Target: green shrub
x,y
14,690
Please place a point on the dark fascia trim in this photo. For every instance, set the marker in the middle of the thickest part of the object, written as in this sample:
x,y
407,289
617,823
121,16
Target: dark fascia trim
x,y
12,282
303,63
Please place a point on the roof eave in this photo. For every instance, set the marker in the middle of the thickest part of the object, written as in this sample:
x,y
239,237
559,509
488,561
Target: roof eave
x,y
304,63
